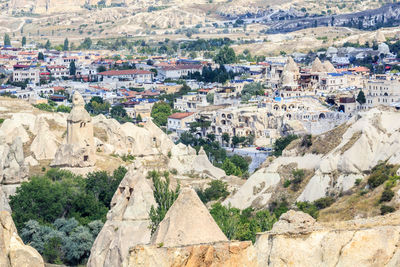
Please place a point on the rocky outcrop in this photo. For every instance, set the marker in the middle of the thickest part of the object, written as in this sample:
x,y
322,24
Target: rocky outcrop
x,y
224,254
13,168
366,242
127,222
45,144
4,202
187,222
13,252
185,161
295,240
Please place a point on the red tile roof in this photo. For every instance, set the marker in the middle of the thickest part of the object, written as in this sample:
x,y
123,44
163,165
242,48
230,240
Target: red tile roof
x,y
180,115
124,72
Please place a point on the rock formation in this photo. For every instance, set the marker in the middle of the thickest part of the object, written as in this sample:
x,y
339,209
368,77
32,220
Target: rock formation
x,y
4,202
13,252
185,161
13,169
79,151
295,240
317,66
187,222
127,221
45,144
357,146
329,67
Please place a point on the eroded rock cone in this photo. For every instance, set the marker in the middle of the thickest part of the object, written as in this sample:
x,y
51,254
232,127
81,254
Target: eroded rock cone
x,y
187,222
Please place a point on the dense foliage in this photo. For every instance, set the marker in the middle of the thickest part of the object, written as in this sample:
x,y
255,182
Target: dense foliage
x,y
313,208
163,196
160,113
381,173
64,241
209,75
226,55
97,105
61,194
252,89
242,224
281,143
217,189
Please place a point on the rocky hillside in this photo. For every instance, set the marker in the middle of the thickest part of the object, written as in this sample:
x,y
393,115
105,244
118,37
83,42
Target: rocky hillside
x,y
337,164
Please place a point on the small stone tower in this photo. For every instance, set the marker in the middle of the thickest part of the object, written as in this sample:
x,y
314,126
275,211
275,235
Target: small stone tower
x,y
79,151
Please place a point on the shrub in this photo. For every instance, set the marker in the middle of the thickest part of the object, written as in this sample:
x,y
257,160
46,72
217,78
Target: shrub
x,y
242,224
309,208
281,143
306,141
64,241
216,190
61,194
380,173
286,183
358,181
164,198
324,202
387,195
386,209
298,176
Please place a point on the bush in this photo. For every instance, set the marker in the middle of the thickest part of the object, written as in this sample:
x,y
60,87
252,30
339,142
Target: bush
x,y
216,190
309,208
281,143
64,241
386,209
60,193
163,196
298,176
387,195
380,173
358,182
286,183
306,141
242,224
324,202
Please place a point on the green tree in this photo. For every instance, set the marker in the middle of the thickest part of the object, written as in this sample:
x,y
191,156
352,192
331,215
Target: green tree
x,y
230,168
101,69
62,108
66,45
361,98
226,55
281,143
217,189
23,42
118,111
7,40
163,196
226,138
86,44
160,113
40,56
97,106
139,118
47,45
72,68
